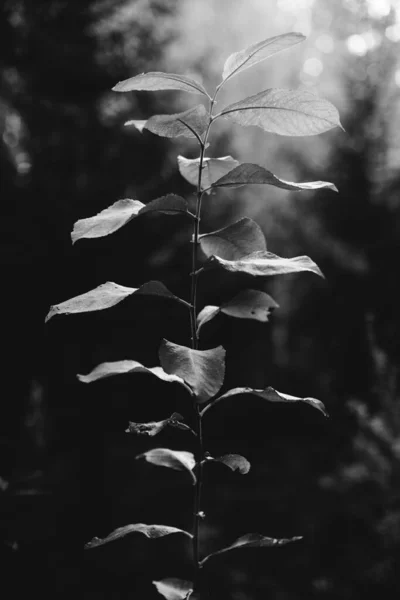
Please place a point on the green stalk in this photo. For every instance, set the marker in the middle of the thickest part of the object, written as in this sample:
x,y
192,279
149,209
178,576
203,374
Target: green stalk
x,y
193,325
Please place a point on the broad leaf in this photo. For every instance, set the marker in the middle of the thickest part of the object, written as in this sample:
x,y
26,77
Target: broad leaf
x,y
264,264
234,241
235,462
154,427
191,123
121,212
213,169
107,295
174,589
249,304
253,540
239,61
179,460
155,81
285,112
249,173
150,531
272,396
202,370
122,367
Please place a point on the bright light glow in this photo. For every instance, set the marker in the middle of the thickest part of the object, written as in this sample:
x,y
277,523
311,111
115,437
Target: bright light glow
x,y
361,44
325,43
313,67
397,77
393,33
356,44
378,9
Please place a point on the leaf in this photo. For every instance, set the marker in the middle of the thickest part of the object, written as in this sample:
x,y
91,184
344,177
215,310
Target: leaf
x,y
155,81
179,460
285,112
107,295
121,212
191,123
234,241
248,304
239,61
264,264
235,462
249,173
202,370
272,396
174,589
122,367
150,531
253,540
139,124
154,427
213,169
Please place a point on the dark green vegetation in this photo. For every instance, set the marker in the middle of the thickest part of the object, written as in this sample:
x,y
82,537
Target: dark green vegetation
x,y
334,482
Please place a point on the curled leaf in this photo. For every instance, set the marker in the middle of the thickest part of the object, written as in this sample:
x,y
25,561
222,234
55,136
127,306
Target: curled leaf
x,y
155,81
121,212
107,295
202,370
284,112
234,241
249,173
239,61
213,169
123,367
139,124
272,396
253,540
179,460
264,264
190,123
153,427
248,304
235,462
174,589
150,531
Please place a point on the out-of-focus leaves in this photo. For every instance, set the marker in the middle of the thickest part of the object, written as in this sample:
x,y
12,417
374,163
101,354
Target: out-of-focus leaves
x,y
190,123
253,540
239,61
121,212
248,304
107,295
155,81
202,370
285,112
234,241
122,367
272,396
249,173
179,460
213,169
152,428
235,462
264,264
174,589
150,531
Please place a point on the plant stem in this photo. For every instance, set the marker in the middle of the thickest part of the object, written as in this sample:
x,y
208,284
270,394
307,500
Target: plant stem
x,y
193,326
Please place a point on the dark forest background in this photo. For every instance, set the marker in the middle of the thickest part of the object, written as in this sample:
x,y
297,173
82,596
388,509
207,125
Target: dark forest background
x,y
67,469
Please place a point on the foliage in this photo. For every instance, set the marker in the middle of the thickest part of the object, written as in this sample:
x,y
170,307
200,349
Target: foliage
x,y
238,248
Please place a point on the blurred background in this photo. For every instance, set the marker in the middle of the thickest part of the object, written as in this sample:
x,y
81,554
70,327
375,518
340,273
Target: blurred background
x,y
67,469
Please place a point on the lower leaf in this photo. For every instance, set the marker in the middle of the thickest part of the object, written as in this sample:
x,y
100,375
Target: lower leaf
x,y
174,589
